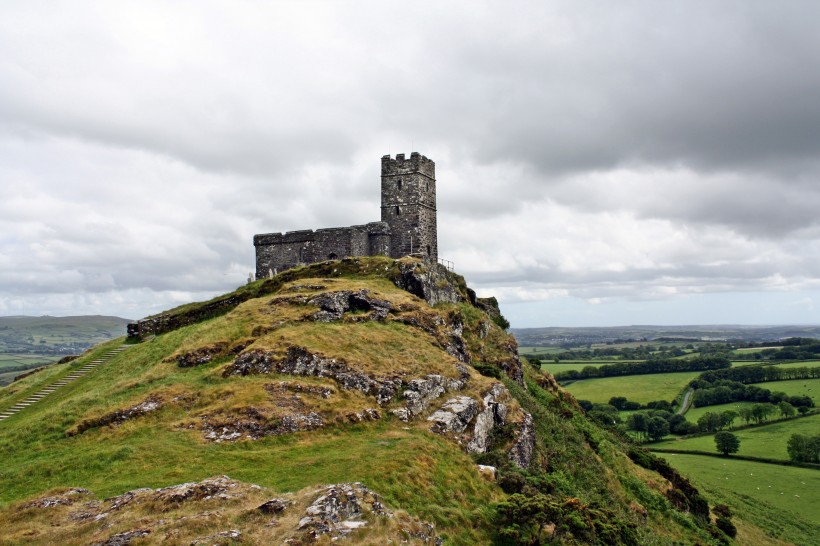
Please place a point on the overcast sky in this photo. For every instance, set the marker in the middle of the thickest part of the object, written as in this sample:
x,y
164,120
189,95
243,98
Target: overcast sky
x,y
598,163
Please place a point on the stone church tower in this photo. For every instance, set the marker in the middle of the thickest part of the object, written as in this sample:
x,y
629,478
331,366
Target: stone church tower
x,y
409,205
407,227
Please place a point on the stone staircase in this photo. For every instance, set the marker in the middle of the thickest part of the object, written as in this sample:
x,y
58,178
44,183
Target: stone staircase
x,y
75,374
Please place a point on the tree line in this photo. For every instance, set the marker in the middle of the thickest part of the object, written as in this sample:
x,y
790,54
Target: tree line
x,y
723,391
761,374
653,366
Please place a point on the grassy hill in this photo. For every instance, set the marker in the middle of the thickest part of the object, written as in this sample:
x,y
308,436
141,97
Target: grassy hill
x,y
340,403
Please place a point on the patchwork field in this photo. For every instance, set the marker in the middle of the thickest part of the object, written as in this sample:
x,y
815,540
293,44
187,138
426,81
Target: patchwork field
x,y
638,388
795,387
782,500
766,441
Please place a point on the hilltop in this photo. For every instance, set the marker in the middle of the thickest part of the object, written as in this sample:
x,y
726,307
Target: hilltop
x,y
368,398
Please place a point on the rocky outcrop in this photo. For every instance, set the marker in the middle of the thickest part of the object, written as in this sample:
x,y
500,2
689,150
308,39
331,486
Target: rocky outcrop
x,y
299,388
274,506
522,450
333,305
66,498
251,424
222,511
494,414
201,355
124,539
300,361
431,282
149,405
455,415
421,392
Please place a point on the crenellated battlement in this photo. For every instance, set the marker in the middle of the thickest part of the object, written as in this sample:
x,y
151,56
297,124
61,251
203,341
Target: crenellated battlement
x,y
417,163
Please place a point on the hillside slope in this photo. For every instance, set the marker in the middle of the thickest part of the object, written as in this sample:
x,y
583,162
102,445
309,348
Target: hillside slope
x,y
331,400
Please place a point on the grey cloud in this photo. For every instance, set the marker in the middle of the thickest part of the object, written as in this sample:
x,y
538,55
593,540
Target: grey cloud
x,y
139,155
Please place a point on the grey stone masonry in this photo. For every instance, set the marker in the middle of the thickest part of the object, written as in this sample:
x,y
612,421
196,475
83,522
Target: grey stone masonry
x,y
409,205
408,226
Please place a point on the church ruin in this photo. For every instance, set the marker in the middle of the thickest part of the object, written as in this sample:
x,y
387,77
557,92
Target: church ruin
x,y
407,226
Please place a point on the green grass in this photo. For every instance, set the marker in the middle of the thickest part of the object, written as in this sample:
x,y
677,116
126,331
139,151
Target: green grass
x,y
795,387
567,365
696,413
767,441
798,364
782,500
638,388
801,364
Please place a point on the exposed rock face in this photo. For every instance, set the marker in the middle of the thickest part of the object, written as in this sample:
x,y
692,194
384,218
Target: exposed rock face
x,y
494,414
333,305
124,539
340,509
274,506
455,415
201,355
65,499
522,450
431,283
252,425
421,392
300,361
292,386
150,404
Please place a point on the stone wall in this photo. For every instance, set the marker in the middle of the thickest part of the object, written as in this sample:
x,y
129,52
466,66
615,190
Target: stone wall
x,y
276,252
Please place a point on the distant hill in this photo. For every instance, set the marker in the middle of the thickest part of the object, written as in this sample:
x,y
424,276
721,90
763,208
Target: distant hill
x,y
557,336
366,398
28,342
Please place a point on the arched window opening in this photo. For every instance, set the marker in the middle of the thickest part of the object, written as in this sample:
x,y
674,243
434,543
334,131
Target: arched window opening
x,y
398,210
398,185
332,256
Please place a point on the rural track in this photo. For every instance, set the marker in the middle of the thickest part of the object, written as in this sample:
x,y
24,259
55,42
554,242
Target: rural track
x,y
685,404
53,387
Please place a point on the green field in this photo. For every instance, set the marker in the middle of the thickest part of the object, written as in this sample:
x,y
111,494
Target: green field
x,y
798,364
767,441
695,413
638,388
795,387
567,365
801,364
10,360
783,500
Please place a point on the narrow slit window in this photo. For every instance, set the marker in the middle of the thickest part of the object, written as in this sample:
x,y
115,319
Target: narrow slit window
x,y
398,210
